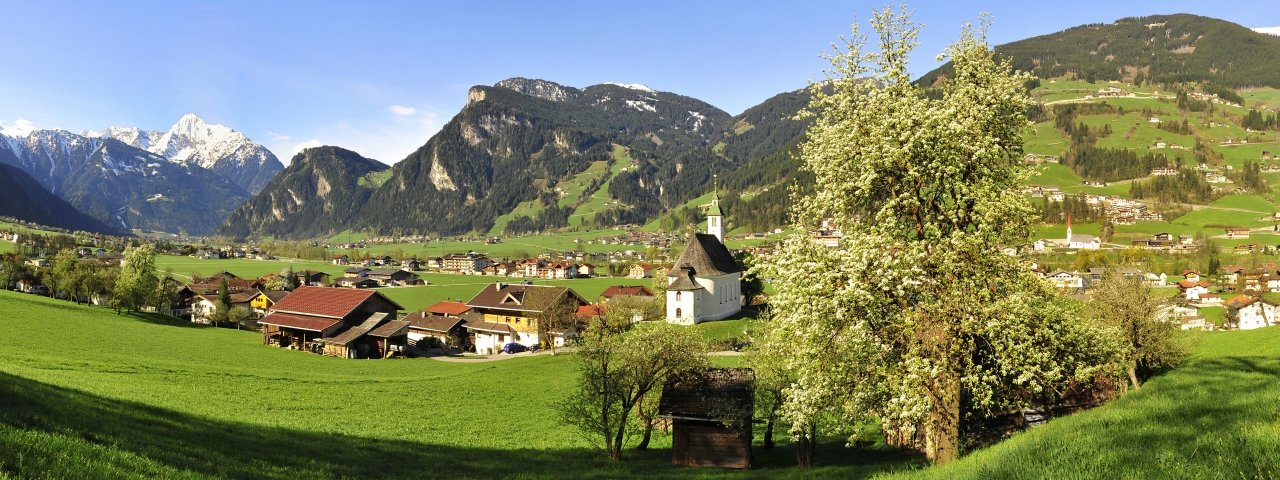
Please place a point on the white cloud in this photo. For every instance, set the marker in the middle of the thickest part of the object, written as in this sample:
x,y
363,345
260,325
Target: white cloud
x,y
305,145
402,111
19,128
278,137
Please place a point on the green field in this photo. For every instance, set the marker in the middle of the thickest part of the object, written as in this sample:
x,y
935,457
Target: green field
x,y
600,200
1214,219
85,393
1212,418
1256,203
8,247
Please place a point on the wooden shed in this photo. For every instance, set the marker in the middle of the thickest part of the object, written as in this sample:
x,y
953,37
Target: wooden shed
x,y
710,413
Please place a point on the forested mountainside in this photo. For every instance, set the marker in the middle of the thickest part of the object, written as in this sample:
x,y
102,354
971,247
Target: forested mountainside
x,y
318,194
1158,48
23,198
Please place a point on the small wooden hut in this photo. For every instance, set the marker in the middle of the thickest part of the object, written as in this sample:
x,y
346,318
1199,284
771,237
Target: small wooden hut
x,y
710,413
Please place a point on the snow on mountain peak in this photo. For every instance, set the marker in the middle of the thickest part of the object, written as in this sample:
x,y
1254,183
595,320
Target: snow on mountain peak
x,y
634,86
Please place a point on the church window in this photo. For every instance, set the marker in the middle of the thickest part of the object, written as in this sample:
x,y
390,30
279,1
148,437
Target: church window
x,y
678,314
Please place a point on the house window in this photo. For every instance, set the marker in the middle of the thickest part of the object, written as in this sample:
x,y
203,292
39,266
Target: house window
x,y
678,314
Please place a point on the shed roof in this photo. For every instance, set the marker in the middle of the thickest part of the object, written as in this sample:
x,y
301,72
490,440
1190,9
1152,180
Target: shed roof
x,y
432,323
719,394
447,307
390,329
632,290
299,322
353,333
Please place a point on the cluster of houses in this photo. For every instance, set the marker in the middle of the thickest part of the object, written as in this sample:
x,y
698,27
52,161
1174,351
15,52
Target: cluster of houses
x,y
1121,211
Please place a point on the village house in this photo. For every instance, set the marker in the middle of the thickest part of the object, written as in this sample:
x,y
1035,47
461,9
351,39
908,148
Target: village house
x,y
640,270
410,265
510,313
310,278
355,282
261,303
465,263
337,322
586,270
1066,280
356,272
1247,312
626,291
1193,290
710,413
706,282
205,307
1231,274
431,328
393,276
1237,233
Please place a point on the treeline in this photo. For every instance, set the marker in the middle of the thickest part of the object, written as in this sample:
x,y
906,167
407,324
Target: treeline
x,y
1250,178
1223,92
1110,164
1071,206
1188,186
1255,120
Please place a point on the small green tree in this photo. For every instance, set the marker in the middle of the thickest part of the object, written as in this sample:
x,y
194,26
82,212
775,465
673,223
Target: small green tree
x,y
618,371
137,280
1149,342
238,316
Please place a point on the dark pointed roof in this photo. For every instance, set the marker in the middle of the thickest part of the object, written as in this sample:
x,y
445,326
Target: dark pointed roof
x,y
683,280
707,256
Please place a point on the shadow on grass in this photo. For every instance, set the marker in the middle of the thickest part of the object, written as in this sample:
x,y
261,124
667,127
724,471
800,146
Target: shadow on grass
x,y
50,431
1211,418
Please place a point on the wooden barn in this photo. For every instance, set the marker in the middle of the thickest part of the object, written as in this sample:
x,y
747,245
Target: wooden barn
x,y
710,413
336,321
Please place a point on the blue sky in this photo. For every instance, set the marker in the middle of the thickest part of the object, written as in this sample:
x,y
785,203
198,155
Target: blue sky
x,y
381,77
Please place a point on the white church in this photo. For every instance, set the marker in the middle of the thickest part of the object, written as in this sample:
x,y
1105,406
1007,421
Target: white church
x,y
706,282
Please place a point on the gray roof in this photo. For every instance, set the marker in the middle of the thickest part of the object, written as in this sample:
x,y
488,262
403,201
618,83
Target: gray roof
x,y
707,256
683,280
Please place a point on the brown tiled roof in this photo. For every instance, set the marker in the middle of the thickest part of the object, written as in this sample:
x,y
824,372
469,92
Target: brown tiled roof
x,y
1241,301
276,295
712,394
707,256
390,329
447,307
491,327
632,290
432,323
1189,283
326,301
590,311
523,298
300,322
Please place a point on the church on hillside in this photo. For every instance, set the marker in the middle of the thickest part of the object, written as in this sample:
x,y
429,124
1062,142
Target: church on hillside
x,y
706,282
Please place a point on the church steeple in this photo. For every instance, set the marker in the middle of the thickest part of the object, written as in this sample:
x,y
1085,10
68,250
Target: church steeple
x,y
715,219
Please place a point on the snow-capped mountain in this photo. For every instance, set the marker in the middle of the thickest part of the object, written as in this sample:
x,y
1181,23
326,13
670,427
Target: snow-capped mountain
x,y
122,185
218,148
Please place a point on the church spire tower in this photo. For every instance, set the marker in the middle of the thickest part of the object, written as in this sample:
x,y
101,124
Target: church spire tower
x,y
715,219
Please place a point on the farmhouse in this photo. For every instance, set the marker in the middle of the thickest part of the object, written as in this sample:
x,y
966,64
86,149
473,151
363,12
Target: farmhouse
x,y
706,282
204,307
338,322
640,270
435,331
314,279
626,291
510,313
393,276
1065,279
261,303
710,413
1248,312
1237,232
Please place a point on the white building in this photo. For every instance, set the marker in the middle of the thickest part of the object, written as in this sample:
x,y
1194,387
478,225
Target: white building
x,y
1251,312
1081,242
706,282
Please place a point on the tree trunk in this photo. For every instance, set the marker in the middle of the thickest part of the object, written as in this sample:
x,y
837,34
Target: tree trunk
x,y
648,432
942,432
1133,377
768,433
805,445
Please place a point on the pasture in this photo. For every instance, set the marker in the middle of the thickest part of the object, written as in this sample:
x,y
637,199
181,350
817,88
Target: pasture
x,y
86,393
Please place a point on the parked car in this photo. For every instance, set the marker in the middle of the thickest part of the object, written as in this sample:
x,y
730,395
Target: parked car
x,y
513,347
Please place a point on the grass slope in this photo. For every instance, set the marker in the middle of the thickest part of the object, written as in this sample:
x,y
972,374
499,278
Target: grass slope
x,y
1215,417
600,199
85,393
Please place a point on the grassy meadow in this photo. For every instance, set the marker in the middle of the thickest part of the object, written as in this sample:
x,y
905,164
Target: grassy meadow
x,y
86,393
